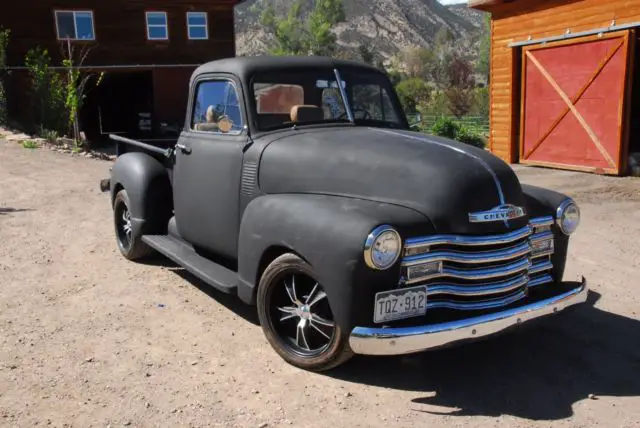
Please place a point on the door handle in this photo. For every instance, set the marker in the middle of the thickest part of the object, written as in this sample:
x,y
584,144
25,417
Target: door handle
x,y
184,149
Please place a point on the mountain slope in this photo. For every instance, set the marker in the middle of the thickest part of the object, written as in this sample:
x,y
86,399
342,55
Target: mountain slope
x,y
386,26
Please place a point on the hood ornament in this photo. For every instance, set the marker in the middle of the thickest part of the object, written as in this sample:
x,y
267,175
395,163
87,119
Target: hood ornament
x,y
499,213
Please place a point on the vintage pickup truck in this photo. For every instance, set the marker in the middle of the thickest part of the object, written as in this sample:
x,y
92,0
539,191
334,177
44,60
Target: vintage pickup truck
x,y
297,185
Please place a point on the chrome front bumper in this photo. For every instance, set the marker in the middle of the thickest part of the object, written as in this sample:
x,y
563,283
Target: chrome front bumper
x,y
406,340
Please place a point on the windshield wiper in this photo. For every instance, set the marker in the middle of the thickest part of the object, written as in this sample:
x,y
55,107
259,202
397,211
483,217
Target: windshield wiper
x,y
343,94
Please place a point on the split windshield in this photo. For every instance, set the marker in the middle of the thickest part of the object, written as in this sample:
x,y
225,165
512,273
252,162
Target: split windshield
x,y
313,96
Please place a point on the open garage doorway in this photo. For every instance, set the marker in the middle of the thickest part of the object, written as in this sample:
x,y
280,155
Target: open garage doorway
x,y
121,104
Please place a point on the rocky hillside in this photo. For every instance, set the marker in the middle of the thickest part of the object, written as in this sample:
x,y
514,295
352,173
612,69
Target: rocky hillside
x,y
387,26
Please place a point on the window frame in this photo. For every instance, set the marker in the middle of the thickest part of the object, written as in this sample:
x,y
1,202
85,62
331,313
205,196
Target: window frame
x,y
148,26
239,97
205,26
75,24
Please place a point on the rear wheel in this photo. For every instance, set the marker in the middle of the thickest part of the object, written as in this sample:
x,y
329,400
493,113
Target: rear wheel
x,y
129,242
296,317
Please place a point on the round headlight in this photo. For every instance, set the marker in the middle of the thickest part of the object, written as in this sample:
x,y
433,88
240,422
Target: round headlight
x,y
568,217
382,248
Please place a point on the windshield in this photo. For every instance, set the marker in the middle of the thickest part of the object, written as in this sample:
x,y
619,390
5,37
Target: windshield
x,y
313,96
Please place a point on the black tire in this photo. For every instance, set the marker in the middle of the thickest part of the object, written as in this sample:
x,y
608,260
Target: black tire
x,y
129,243
312,313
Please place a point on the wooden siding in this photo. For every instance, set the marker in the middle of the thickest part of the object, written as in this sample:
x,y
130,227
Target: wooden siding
x,y
120,31
517,21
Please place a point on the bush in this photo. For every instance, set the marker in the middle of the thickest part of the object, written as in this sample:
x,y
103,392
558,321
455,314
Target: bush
x,y
29,144
446,127
50,135
413,92
467,136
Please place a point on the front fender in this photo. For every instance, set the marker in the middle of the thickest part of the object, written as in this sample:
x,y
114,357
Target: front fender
x,y
329,233
147,183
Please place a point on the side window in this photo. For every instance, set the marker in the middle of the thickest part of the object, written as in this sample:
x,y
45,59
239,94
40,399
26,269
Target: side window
x,y
217,108
373,101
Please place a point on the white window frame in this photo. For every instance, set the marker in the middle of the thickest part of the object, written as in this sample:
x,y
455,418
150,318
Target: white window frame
x,y
206,25
75,24
165,26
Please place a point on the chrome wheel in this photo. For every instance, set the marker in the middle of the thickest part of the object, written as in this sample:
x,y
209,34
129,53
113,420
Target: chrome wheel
x,y
123,226
301,315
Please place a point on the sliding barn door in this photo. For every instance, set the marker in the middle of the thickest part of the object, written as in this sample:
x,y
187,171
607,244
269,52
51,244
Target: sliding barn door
x,y
573,103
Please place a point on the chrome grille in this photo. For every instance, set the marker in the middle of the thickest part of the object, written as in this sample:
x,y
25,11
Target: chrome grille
x,y
465,272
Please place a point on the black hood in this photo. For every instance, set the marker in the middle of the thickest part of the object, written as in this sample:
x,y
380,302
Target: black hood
x,y
442,179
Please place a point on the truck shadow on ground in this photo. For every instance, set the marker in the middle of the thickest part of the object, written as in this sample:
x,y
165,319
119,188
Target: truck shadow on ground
x,y
5,210
537,372
229,301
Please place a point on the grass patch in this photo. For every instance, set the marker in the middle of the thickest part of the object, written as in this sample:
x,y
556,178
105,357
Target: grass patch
x,y
29,144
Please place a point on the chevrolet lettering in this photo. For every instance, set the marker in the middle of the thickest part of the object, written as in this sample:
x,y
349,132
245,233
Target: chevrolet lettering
x,y
297,185
500,213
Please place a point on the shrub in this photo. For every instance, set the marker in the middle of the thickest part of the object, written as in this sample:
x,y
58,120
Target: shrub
x,y
445,127
29,144
413,92
50,135
467,136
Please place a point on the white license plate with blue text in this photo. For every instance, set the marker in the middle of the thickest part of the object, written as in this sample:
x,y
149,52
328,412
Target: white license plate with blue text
x,y
402,303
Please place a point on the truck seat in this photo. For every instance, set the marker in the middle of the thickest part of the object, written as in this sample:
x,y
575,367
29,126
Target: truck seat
x,y
306,113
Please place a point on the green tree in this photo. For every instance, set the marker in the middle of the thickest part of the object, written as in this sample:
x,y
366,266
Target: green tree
x,y
460,86
4,42
481,102
484,60
297,35
413,93
48,89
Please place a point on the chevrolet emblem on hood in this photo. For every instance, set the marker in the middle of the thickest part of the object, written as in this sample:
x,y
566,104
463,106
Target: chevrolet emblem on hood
x,y
499,213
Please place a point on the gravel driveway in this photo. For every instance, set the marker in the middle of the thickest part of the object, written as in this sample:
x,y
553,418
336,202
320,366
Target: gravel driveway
x,y
89,339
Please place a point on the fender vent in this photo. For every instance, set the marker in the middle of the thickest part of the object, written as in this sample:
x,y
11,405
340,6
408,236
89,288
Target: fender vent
x,y
248,181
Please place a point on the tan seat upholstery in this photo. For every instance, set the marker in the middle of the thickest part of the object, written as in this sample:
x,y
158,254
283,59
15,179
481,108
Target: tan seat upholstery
x,y
306,113
212,121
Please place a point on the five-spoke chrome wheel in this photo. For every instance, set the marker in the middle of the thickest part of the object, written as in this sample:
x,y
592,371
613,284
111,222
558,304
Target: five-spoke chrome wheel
x,y
296,316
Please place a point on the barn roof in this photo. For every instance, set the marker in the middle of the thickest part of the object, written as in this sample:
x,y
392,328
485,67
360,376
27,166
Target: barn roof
x,y
488,4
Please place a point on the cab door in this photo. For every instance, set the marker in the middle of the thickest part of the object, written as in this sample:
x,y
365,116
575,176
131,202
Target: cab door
x,y
208,164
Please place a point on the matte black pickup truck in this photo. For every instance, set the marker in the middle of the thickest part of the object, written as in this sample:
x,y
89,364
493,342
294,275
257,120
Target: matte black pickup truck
x,y
297,185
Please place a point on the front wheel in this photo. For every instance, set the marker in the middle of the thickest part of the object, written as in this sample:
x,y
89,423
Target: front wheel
x,y
129,242
296,317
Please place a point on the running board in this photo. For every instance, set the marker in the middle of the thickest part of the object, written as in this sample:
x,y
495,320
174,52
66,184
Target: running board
x,y
183,254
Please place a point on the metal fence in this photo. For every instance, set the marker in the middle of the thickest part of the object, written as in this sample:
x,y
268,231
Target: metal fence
x,y
479,124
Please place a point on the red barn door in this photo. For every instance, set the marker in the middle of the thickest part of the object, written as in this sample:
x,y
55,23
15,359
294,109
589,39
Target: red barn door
x,y
573,97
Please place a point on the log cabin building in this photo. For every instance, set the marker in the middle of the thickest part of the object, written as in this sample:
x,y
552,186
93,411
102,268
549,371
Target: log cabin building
x,y
146,50
564,82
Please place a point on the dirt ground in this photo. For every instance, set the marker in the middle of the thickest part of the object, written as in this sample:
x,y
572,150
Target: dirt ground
x,y
89,339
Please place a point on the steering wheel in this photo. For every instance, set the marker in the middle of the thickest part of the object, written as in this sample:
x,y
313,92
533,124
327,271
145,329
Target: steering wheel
x,y
365,114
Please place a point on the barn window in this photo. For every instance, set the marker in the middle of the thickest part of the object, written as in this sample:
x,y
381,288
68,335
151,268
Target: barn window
x,y
157,27
197,25
75,25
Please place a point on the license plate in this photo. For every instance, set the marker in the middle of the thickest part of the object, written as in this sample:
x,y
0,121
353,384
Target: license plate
x,y
398,304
